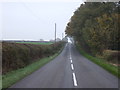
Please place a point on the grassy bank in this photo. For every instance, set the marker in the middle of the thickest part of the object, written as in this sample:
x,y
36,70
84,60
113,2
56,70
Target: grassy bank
x,y
103,63
14,76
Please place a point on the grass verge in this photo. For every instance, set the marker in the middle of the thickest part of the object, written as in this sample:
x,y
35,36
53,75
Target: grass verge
x,y
14,76
103,63
0,81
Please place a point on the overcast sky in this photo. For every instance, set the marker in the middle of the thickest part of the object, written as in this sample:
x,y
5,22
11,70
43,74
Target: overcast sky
x,y
35,20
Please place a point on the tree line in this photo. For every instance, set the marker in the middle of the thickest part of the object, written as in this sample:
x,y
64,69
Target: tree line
x,y
95,26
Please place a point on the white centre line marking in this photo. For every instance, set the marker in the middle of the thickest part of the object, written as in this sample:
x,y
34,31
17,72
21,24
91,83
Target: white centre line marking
x,y
71,61
74,79
72,67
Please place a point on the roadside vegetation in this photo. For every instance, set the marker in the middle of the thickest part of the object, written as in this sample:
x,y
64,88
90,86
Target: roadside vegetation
x,y
19,55
16,75
20,60
101,62
95,29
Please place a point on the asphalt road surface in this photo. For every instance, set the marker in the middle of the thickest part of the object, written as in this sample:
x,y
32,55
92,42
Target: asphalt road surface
x,y
69,70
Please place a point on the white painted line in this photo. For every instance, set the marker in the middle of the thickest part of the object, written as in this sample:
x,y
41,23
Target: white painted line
x,y
71,60
74,79
72,67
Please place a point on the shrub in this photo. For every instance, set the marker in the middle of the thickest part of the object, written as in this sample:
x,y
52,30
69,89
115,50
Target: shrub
x,y
111,55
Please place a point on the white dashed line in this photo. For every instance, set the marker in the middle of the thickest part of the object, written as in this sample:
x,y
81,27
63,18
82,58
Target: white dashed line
x,y
74,79
73,74
72,67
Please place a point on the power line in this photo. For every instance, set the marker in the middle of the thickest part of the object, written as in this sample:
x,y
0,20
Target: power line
x,y
32,13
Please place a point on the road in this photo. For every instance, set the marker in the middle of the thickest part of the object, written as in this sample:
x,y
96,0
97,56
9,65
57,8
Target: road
x,y
69,70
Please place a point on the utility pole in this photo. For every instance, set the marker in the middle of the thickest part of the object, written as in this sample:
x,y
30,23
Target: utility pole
x,y
62,36
55,32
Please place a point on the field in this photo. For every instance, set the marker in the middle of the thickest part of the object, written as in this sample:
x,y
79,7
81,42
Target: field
x,y
37,43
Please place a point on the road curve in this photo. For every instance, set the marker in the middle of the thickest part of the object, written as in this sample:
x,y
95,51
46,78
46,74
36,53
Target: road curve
x,y
69,70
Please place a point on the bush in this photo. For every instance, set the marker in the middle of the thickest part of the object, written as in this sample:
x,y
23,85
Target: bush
x,y
111,55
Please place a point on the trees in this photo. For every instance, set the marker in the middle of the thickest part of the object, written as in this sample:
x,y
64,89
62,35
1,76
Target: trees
x,y
95,26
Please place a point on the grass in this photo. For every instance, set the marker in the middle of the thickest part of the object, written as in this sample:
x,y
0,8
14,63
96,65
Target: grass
x,y
103,63
14,76
0,81
37,43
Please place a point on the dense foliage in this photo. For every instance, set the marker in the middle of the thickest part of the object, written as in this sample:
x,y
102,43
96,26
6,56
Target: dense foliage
x,y
95,26
18,55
